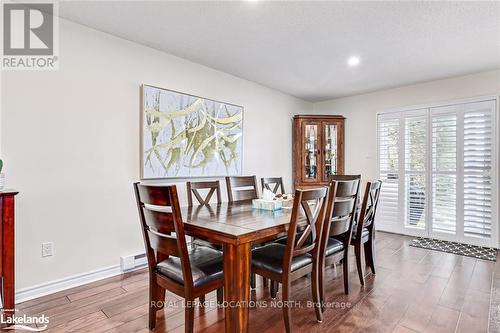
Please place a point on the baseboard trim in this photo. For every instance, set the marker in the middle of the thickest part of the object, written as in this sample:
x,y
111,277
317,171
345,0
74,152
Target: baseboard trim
x,y
48,288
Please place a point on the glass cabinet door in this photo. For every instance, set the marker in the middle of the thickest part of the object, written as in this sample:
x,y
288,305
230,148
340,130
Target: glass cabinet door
x,y
330,150
311,151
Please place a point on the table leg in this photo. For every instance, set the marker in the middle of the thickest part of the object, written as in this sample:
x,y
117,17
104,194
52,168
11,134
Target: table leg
x,y
237,269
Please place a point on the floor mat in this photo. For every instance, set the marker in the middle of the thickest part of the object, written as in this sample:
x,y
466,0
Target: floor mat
x,y
478,252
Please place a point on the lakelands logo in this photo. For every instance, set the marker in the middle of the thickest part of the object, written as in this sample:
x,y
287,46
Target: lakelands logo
x,y
25,323
29,36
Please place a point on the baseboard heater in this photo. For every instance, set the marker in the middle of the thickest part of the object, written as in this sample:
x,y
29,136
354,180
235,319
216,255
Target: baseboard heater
x,y
131,263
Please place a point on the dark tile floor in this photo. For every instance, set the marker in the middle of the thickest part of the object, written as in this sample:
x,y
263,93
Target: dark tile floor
x,y
414,290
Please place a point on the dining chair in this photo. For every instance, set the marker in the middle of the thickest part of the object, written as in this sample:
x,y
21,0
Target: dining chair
x,y
365,227
300,256
241,188
189,273
337,229
273,184
193,189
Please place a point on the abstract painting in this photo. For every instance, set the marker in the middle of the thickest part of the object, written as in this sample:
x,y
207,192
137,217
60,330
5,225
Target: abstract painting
x,y
189,136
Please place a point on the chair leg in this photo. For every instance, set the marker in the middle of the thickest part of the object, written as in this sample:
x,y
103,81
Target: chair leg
x,y
357,252
315,286
220,296
370,254
189,316
345,268
202,300
253,283
156,301
321,287
152,318
287,310
274,289
264,282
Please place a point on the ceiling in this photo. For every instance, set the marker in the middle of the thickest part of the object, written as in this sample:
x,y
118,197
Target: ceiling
x,y
301,48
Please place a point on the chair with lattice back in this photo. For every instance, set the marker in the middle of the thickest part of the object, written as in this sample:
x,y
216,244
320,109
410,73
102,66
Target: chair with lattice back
x,y
284,263
365,227
273,184
193,189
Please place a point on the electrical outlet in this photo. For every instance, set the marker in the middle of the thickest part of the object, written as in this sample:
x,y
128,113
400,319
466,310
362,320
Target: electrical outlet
x,y
47,249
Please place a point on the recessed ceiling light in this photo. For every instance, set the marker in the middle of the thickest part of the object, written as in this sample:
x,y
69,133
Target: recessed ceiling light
x,y
353,61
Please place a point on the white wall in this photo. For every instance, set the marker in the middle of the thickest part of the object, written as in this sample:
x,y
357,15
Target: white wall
x,y
361,110
70,141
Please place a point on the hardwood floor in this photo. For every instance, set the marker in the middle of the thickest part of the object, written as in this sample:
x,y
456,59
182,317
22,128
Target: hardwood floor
x,y
415,290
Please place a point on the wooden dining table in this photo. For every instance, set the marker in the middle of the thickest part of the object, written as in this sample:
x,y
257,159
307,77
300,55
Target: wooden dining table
x,y
236,226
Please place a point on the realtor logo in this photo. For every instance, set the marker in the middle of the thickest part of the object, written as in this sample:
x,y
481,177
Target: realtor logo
x,y
29,32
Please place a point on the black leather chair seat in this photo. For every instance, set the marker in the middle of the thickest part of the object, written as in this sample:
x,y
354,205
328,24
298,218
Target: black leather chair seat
x,y
270,257
202,242
206,266
284,240
364,235
333,246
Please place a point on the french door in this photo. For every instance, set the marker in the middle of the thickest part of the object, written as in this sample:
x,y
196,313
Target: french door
x,y
438,165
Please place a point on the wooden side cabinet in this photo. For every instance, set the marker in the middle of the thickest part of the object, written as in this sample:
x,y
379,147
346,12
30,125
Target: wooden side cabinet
x,y
318,149
7,198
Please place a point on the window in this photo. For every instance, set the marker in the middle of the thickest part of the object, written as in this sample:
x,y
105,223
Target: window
x,y
415,167
444,172
438,167
478,183
389,170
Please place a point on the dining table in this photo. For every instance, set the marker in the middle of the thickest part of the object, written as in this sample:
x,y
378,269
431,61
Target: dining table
x,y
236,226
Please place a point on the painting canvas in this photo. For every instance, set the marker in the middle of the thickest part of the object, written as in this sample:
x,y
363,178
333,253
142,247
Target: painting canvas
x,y
189,136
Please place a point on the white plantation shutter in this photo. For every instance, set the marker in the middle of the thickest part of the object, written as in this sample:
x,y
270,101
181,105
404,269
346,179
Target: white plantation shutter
x,y
415,166
444,169
439,171
478,153
388,147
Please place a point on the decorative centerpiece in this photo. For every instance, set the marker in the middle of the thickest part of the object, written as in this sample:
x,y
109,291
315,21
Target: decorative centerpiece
x,y
2,176
286,200
270,201
267,202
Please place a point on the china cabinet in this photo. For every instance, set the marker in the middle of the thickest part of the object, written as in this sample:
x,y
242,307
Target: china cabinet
x,y
318,149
